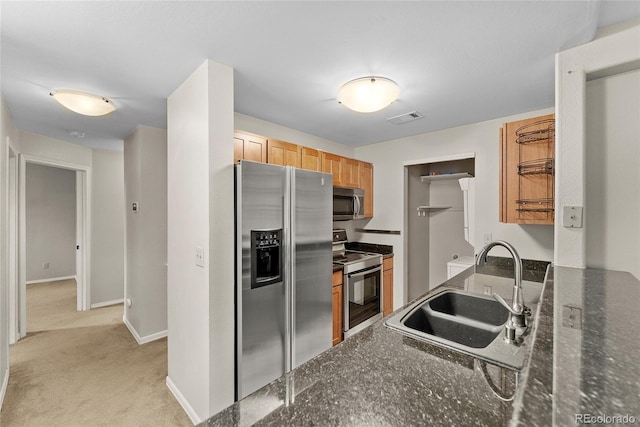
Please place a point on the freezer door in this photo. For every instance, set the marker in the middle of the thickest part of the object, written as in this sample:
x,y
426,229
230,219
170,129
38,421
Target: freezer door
x,y
311,225
261,324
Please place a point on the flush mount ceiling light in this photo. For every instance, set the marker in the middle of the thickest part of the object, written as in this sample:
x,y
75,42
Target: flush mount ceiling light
x,y
83,103
368,94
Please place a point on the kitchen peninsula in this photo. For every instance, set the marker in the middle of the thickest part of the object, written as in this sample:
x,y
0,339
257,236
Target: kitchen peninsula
x,y
379,377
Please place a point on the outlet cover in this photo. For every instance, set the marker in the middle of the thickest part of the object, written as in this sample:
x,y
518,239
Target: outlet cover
x,y
487,238
199,256
45,264
572,216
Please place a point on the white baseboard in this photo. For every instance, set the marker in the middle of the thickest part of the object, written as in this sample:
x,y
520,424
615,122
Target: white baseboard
x,y
195,419
3,389
53,279
108,303
146,338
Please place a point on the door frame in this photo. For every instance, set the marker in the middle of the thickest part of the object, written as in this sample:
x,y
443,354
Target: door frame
x,y
12,241
83,235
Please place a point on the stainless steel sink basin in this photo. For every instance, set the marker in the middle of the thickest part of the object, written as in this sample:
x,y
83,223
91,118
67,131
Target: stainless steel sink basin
x,y
467,321
470,320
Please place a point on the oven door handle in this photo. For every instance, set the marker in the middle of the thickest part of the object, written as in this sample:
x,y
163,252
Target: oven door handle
x,y
365,271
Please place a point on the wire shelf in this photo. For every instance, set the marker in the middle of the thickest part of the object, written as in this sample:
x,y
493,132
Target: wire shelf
x,y
536,167
535,205
532,132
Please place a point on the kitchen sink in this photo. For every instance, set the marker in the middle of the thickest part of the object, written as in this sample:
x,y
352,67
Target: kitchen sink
x,y
464,319
469,322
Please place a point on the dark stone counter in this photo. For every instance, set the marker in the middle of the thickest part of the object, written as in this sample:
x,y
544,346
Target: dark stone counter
x,y
585,362
379,378
384,250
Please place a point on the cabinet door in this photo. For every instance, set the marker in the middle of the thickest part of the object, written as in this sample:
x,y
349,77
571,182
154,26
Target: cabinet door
x,y
247,146
527,171
350,173
310,159
366,183
332,163
337,314
283,153
387,292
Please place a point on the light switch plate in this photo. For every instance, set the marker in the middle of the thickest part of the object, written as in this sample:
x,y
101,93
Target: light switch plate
x,y
572,216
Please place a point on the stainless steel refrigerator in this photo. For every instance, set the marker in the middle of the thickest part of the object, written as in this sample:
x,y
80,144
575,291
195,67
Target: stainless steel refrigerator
x,y
283,271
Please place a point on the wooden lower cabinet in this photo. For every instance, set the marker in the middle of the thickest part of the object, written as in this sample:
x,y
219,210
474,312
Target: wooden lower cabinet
x,y
387,286
337,307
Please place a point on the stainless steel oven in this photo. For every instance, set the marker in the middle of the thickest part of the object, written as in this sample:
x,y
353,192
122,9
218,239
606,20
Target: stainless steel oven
x,y
362,285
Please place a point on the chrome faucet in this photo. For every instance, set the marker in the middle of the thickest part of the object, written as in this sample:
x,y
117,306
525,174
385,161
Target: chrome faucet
x,y
517,309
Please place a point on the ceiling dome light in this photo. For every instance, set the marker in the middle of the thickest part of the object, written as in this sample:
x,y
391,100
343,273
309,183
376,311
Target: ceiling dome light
x,y
83,103
368,94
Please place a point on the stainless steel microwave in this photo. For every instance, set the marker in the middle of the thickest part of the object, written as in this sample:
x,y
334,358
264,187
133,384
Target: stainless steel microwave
x,y
348,203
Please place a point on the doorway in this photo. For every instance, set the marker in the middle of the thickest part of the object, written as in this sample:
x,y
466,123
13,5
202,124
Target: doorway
x,y
82,195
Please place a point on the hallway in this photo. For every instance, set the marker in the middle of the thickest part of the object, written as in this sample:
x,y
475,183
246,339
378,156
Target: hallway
x,y
84,368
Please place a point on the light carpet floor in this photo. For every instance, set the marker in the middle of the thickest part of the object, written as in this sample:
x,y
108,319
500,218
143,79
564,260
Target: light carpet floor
x,y
84,368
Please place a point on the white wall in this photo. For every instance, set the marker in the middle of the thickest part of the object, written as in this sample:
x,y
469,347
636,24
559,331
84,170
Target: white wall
x,y
8,137
145,177
531,241
201,214
106,210
107,227
51,222
612,184
618,48
272,130
54,149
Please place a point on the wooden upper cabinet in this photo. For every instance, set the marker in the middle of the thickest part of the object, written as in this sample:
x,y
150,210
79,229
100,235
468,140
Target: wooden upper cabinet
x,y
310,159
366,183
527,168
332,163
350,173
283,153
247,146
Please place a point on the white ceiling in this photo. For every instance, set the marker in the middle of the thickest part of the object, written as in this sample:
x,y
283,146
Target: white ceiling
x,y
455,62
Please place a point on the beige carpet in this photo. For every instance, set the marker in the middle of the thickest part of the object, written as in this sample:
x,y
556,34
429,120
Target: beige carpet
x,y
84,368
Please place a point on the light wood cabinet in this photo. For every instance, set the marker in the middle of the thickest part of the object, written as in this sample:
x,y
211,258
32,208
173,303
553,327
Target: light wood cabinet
x,y
247,146
337,307
366,183
350,172
283,153
310,159
527,168
332,163
387,286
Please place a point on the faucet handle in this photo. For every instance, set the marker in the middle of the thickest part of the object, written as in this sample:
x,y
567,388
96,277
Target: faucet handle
x,y
517,310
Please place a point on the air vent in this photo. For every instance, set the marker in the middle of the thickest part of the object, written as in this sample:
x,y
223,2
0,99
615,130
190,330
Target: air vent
x,y
405,118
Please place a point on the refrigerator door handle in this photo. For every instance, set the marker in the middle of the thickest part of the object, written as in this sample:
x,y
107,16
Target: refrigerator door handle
x,y
289,277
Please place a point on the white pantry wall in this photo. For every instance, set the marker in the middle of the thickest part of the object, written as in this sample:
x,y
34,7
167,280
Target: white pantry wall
x,y
612,183
389,157
51,222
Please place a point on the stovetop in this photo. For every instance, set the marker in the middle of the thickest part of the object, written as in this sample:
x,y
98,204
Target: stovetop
x,y
346,257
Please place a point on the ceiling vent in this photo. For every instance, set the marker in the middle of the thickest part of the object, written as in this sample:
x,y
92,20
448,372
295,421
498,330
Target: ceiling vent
x,y
405,118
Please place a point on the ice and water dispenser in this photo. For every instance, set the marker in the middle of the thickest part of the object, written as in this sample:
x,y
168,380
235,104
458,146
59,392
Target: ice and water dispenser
x,y
266,257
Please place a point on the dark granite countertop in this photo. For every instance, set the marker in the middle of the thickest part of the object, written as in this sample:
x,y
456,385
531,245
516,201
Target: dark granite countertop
x,y
379,377
385,250
585,362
